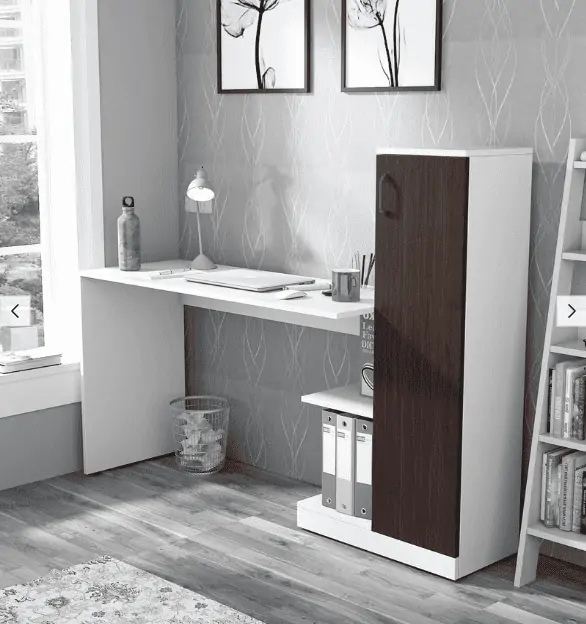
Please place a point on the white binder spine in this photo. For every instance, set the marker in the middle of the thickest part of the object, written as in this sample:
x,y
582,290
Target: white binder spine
x,y
363,483
328,481
345,464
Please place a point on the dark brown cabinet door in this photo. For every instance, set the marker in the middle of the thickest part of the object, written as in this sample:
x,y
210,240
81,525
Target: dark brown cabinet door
x,y
419,348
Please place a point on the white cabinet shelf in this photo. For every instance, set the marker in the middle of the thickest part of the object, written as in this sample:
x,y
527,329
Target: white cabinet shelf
x,y
568,538
345,399
580,164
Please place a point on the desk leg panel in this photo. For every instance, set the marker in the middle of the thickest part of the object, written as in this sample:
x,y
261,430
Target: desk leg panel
x,y
133,365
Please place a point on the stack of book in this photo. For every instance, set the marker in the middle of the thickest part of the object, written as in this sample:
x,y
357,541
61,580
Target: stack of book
x,y
18,361
563,485
566,399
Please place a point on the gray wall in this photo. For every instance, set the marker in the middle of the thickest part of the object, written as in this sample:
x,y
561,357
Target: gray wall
x,y
295,184
40,445
139,121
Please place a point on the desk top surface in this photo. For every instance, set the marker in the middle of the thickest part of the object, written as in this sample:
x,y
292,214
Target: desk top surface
x,y
203,295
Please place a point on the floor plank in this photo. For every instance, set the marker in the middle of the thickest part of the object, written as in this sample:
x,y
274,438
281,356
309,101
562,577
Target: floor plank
x,y
233,537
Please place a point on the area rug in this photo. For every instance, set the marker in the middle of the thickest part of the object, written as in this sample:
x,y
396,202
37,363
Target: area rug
x,y
107,591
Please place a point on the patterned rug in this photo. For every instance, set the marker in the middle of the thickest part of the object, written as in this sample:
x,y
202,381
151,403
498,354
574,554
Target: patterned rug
x,y
106,591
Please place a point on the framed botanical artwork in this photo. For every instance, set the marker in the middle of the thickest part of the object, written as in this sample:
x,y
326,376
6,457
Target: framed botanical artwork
x,y
263,46
391,45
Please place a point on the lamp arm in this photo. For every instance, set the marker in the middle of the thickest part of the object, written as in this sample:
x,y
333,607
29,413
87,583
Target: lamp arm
x,y
199,230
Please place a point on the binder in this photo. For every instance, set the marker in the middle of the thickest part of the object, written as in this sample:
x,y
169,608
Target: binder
x,y
345,464
328,477
363,480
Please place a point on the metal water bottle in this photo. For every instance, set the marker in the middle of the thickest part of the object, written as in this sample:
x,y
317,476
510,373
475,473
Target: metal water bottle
x,y
128,237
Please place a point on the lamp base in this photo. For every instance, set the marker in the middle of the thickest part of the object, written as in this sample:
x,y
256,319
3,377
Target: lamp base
x,y
203,263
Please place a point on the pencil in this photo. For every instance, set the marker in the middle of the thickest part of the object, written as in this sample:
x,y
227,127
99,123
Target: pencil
x,y
370,267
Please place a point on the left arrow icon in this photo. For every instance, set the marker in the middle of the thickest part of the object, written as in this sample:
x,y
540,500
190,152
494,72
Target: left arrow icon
x,y
13,310
573,310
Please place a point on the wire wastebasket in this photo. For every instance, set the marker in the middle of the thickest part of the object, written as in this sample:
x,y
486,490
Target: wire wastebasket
x,y
200,431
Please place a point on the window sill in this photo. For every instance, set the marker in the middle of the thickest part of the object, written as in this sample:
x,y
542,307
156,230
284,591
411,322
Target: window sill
x,y
43,388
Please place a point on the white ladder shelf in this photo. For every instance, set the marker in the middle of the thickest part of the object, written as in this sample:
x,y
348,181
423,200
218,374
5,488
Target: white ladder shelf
x,y
559,344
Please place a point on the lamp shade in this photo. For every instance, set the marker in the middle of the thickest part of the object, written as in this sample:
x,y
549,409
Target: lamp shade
x,y
200,190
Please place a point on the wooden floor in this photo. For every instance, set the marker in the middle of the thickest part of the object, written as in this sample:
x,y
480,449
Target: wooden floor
x,y
232,537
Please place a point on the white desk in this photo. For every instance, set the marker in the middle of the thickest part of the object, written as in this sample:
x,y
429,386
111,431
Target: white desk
x,y
134,357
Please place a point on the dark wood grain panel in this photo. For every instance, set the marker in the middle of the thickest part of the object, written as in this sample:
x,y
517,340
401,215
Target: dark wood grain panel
x,y
419,344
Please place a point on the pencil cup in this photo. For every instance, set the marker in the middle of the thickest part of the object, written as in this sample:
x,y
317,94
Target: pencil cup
x,y
345,285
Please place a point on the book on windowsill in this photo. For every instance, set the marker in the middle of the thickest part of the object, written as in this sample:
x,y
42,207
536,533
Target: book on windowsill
x,y
18,361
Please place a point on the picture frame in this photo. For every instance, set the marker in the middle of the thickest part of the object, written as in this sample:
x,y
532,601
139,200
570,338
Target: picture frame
x,y
373,29
263,46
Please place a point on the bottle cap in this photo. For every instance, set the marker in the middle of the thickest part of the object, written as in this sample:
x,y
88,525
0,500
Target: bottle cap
x,y
128,202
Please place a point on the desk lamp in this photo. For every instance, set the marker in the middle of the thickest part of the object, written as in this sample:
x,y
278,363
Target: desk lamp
x,y
200,191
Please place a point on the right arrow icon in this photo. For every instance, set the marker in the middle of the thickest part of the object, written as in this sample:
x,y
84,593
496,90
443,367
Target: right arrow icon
x,y
573,310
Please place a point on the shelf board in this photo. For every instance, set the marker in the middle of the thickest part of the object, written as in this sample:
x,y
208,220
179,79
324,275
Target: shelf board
x,y
568,538
572,347
577,255
579,164
346,399
571,443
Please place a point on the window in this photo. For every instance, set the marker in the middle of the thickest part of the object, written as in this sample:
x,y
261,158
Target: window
x,y
21,258
49,109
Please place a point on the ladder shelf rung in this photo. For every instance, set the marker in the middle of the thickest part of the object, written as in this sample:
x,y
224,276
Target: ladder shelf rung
x,y
579,164
568,538
571,443
571,347
577,255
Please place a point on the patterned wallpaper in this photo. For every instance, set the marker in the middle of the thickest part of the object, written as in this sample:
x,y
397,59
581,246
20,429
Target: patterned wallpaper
x,y
294,179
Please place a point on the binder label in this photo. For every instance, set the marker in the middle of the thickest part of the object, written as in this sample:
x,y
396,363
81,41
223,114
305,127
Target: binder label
x,y
329,449
364,459
345,455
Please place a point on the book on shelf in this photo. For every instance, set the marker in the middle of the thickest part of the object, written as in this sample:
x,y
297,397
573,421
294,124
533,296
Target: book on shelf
x,y
578,499
550,400
543,486
573,373
18,361
578,408
367,344
583,515
568,478
552,487
558,398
